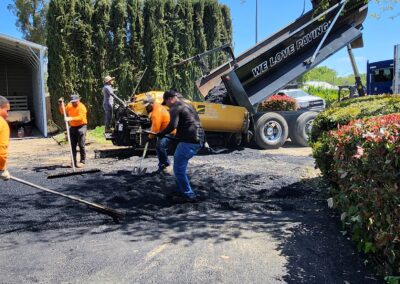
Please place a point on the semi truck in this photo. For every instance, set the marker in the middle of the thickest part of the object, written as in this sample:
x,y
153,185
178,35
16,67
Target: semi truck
x,y
383,77
233,91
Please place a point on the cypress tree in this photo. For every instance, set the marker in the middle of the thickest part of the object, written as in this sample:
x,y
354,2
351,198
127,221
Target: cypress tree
x,y
200,43
212,27
89,39
173,26
60,78
185,38
155,48
135,40
226,25
100,50
82,51
119,62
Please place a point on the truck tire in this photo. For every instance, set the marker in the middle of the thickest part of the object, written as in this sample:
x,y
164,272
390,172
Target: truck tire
x,y
301,128
271,131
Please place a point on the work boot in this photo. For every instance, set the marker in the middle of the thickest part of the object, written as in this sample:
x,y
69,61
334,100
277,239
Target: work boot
x,y
80,165
167,170
185,199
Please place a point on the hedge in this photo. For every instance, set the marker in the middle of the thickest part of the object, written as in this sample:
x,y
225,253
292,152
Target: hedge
x,y
343,112
366,167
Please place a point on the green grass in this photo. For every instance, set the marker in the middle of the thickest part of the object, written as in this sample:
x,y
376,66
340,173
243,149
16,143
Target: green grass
x,y
97,135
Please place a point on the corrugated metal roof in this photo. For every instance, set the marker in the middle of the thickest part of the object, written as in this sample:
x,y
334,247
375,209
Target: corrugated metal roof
x,y
19,50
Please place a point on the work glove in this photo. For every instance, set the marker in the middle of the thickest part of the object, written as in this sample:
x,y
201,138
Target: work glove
x,y
68,119
151,136
5,175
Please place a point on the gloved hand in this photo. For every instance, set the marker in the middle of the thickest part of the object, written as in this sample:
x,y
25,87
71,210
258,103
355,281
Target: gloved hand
x,y
151,136
5,175
67,119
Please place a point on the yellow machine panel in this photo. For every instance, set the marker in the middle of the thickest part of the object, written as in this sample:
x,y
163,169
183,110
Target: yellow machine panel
x,y
213,117
222,118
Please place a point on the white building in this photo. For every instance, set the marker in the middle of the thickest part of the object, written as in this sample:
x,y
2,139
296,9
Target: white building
x,y
22,81
322,85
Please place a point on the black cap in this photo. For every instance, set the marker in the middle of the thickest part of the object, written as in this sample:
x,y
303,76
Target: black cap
x,y
169,94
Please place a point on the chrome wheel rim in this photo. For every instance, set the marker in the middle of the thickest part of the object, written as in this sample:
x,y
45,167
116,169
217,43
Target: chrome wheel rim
x,y
272,131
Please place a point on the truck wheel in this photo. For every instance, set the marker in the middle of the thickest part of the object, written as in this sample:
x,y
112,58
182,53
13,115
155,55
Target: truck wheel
x,y
300,130
271,131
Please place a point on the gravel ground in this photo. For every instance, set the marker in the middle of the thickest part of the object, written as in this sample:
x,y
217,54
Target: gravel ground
x,y
262,218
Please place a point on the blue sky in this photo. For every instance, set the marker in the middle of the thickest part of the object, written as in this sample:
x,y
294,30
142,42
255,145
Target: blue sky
x,y
380,35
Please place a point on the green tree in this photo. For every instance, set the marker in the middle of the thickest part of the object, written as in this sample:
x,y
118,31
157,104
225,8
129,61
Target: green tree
x,y
321,73
134,50
101,43
85,83
119,62
185,39
31,18
60,79
155,48
212,27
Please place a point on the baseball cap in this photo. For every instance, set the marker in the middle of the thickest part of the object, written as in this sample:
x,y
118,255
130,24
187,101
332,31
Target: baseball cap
x,y
74,98
169,94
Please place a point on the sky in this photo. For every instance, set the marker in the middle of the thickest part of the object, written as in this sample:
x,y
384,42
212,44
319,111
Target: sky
x,y
380,35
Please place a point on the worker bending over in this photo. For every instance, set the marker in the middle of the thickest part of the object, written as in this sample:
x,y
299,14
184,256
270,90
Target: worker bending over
x,y
4,138
77,118
159,121
186,121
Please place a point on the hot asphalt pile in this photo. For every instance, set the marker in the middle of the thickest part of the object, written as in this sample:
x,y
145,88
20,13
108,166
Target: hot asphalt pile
x,y
249,188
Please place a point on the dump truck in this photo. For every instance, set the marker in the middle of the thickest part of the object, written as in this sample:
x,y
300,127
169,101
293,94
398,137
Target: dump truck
x,y
233,91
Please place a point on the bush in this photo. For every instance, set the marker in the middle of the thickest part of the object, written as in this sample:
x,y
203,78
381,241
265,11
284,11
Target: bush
x,y
278,103
343,112
365,157
330,96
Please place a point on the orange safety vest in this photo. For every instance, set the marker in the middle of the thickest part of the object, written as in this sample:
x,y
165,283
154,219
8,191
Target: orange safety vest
x,y
78,114
4,141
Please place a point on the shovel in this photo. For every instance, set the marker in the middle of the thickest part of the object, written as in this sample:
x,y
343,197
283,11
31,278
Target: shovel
x,y
138,170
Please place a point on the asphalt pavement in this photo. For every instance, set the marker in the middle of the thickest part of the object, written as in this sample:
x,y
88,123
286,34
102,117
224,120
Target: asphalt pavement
x,y
261,218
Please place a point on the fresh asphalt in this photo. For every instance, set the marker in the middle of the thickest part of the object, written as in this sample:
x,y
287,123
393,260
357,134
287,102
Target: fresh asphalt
x,y
261,218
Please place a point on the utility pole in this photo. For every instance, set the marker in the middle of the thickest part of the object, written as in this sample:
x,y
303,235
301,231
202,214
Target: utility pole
x,y
256,21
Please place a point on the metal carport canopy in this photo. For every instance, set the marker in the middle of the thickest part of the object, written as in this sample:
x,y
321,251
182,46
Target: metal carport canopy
x,y
33,55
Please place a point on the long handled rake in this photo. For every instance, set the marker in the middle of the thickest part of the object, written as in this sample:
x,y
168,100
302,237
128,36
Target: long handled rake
x,y
116,215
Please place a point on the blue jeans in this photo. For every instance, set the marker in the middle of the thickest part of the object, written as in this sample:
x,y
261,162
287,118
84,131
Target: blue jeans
x,y
162,149
183,153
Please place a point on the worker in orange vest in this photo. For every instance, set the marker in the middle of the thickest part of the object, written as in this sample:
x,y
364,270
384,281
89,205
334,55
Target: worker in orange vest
x,y
159,121
4,138
77,118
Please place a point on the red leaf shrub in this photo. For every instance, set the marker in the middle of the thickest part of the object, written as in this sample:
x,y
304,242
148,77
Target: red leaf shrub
x,y
366,168
278,103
